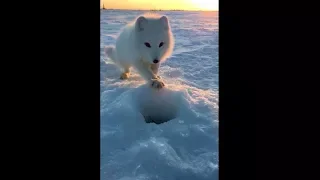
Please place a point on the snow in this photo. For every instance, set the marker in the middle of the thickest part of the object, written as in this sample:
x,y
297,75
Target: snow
x,y
186,146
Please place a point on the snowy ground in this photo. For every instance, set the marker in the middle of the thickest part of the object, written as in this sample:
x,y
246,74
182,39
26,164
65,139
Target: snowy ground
x,y
184,148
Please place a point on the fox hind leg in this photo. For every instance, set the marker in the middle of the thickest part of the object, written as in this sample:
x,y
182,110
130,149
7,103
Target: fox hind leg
x,y
126,73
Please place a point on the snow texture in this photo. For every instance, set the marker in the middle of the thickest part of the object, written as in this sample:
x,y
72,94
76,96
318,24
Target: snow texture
x,y
185,147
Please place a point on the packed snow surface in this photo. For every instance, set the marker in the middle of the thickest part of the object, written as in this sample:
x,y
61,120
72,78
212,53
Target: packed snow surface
x,y
186,146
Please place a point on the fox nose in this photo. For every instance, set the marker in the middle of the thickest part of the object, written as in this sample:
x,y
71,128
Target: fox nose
x,y
155,61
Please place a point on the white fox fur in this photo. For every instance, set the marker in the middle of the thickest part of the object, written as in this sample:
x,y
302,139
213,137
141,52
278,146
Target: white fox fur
x,y
143,44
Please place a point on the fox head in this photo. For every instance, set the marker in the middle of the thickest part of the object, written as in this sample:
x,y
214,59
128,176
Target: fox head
x,y
154,38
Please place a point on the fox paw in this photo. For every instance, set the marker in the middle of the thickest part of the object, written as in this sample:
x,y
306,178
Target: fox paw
x,y
157,83
124,76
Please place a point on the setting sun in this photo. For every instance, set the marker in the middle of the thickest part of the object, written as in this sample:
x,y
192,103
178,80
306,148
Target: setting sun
x,y
206,4
212,5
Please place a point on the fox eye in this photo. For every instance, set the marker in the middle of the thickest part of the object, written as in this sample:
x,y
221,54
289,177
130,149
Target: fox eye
x,y
147,44
161,44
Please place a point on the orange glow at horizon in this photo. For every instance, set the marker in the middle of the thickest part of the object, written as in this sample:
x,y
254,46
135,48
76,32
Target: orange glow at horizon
x,y
162,4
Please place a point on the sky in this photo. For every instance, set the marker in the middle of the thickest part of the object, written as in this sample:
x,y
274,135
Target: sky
x,y
162,4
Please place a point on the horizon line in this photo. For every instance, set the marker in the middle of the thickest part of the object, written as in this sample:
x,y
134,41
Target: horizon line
x,y
160,9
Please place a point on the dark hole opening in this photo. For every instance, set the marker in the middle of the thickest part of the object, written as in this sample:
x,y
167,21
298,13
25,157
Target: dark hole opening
x,y
158,119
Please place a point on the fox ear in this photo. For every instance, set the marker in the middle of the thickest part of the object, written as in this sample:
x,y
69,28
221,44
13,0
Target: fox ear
x,y
140,23
165,22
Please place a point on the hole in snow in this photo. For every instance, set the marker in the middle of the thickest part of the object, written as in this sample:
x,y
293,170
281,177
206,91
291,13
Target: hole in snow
x,y
157,106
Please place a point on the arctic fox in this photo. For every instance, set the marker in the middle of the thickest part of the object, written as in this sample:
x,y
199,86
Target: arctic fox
x,y
143,44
